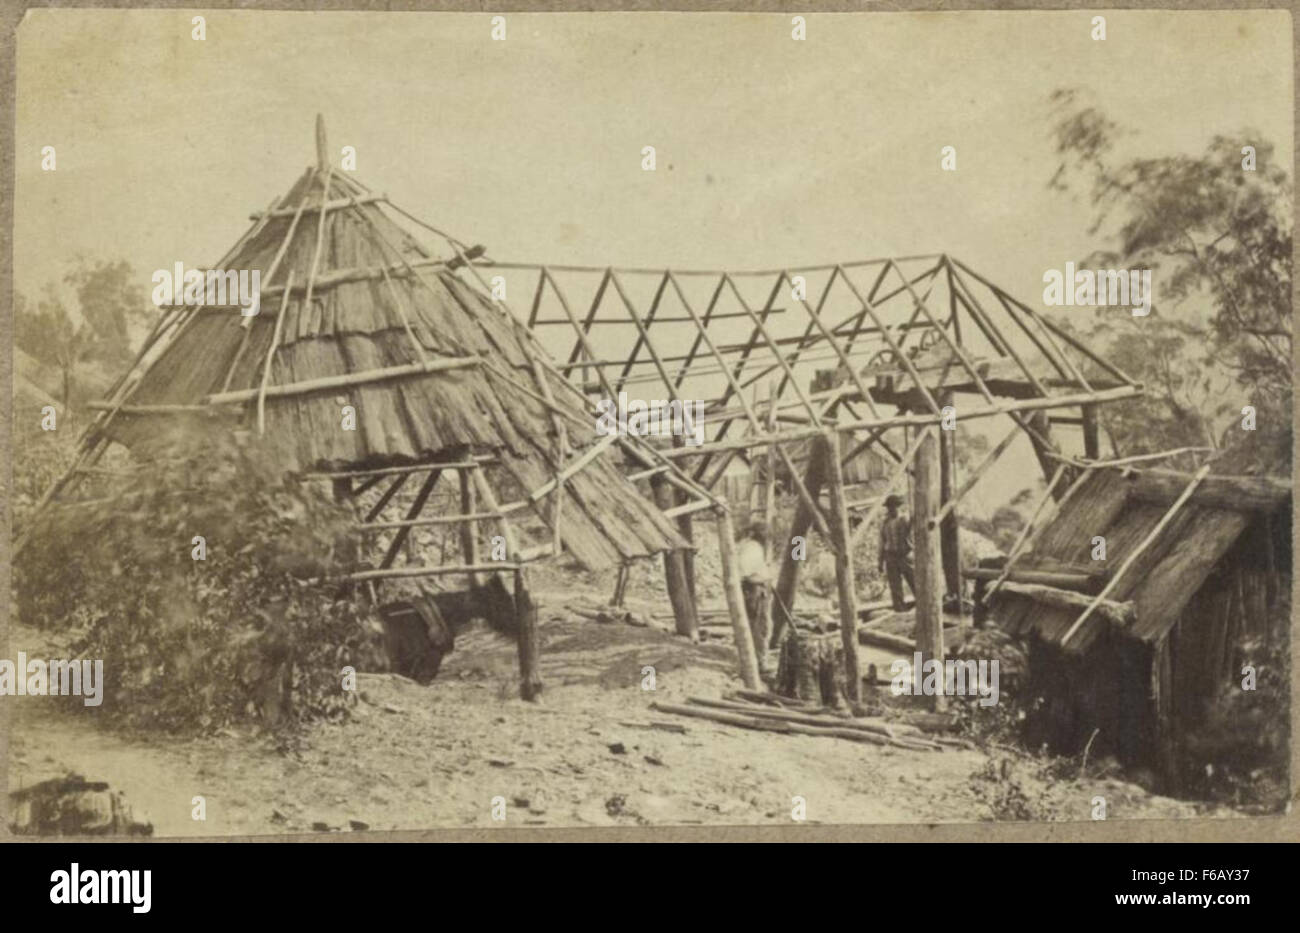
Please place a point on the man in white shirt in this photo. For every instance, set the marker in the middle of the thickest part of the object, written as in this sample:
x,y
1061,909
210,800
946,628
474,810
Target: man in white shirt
x,y
755,584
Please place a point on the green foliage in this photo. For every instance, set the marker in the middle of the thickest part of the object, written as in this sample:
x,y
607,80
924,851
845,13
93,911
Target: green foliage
x,y
193,645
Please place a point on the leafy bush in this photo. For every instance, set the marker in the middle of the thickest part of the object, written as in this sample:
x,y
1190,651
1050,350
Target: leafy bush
x,y
1240,754
192,645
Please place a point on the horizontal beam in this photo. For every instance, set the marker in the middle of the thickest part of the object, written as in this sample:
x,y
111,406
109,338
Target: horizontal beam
x,y
1121,613
411,468
428,570
349,379
966,414
313,208
1072,581
1238,493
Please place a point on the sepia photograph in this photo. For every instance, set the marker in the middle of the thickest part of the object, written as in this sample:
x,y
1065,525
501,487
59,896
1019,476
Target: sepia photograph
x,y
487,421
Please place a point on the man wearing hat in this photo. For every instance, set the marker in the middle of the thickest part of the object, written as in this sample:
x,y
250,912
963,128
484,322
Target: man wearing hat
x,y
896,551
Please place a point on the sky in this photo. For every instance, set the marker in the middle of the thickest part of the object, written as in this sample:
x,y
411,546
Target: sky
x,y
770,151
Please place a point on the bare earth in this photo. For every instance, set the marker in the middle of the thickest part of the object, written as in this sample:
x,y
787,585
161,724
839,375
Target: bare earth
x,y
416,757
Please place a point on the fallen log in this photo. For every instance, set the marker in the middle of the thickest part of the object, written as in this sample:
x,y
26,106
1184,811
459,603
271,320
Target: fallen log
x,y
880,727
773,725
867,636
653,724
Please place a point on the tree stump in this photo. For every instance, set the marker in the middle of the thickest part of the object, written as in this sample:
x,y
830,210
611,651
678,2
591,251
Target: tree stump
x,y
811,667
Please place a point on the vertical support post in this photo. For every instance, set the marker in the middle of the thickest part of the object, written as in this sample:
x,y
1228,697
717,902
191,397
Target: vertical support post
x,y
788,581
928,564
1041,436
686,525
530,680
679,593
1091,439
736,603
829,448
949,536
769,478
468,530
620,586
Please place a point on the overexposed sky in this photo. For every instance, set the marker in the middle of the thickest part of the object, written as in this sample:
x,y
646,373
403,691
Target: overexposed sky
x,y
771,152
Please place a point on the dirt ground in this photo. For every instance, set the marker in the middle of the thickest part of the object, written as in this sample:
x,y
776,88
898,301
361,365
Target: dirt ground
x,y
416,757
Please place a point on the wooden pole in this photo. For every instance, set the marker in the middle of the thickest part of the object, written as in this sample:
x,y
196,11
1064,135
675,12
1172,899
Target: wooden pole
x,y
412,513
468,530
530,680
769,479
830,451
270,356
928,566
788,581
736,603
949,538
679,587
322,147
684,512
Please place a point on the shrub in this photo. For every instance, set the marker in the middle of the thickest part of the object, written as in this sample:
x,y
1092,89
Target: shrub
x,y
192,645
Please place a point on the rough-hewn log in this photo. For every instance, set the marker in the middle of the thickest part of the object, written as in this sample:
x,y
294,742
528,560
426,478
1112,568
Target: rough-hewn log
x,y
949,545
468,530
676,580
530,678
829,449
928,568
1069,581
788,581
1091,439
1240,493
1121,613
736,603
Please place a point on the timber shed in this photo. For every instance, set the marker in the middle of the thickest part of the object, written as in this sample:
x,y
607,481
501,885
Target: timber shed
x,y
1193,563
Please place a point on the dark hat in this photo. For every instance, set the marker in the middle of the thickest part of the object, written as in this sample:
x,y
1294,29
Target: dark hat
x,y
893,500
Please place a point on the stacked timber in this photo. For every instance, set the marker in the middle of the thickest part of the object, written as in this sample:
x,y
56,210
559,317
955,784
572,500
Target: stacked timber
x,y
749,709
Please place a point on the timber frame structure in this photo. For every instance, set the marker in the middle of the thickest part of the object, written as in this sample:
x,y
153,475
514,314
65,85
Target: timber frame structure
x,y
904,338
867,349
